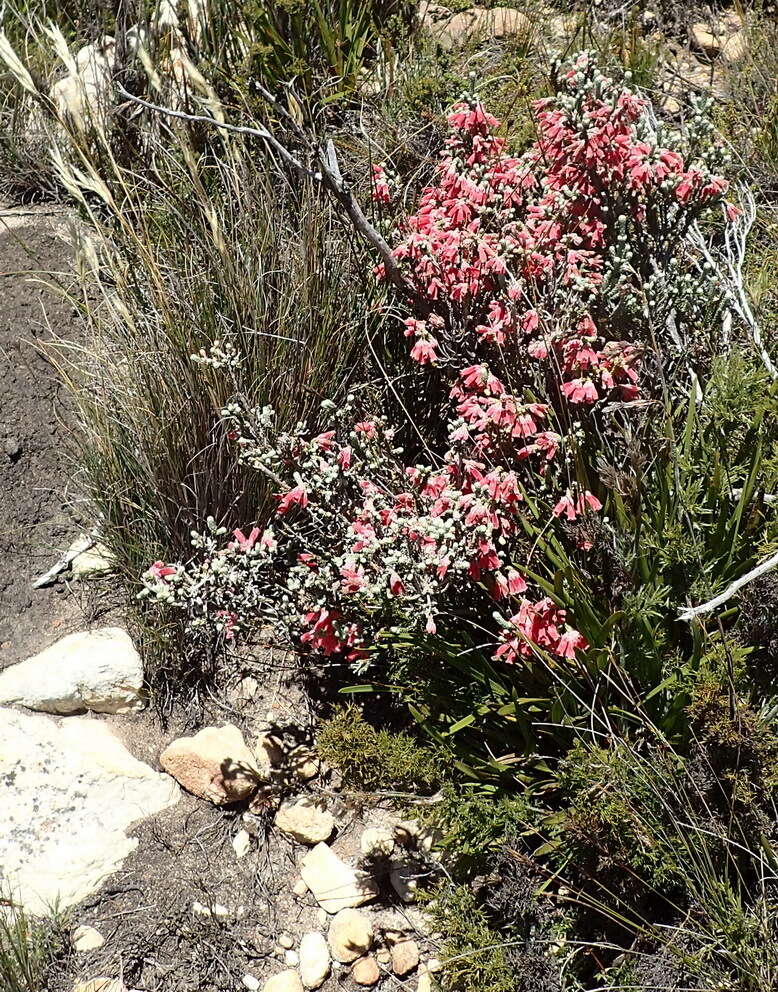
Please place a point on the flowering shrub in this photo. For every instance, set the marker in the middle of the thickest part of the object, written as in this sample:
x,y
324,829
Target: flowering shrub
x,y
557,255
361,541
541,283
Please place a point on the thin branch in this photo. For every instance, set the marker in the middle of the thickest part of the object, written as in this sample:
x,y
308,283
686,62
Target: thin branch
x,y
712,604
329,175
77,549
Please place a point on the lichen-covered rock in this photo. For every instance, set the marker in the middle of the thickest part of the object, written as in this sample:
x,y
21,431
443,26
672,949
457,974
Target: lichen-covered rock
x,y
97,670
69,789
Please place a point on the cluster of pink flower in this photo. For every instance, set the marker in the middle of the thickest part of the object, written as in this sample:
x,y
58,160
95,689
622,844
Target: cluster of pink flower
x,y
498,239
524,266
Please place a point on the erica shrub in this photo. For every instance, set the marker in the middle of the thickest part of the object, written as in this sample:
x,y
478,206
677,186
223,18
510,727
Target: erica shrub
x,y
544,290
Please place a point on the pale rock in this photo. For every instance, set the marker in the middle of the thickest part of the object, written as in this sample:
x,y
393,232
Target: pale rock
x,y
69,790
366,971
215,764
403,879
95,559
215,910
247,688
383,956
735,48
434,965
286,940
299,888
304,764
251,983
269,754
291,959
405,955
335,884
97,670
87,939
241,844
314,960
100,985
376,842
306,822
350,935
322,916
284,981
424,983
478,24
705,40
83,96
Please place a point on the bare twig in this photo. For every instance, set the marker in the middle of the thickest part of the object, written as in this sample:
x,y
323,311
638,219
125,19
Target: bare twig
x,y
77,549
328,174
712,604
728,262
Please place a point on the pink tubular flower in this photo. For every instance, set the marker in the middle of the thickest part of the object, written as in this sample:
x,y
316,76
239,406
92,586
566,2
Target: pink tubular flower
x,y
587,499
580,391
423,351
566,506
570,642
160,571
396,586
294,497
352,579
243,542
366,427
381,191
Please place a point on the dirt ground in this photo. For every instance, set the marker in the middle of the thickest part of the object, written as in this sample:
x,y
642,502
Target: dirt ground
x,y
155,940
39,516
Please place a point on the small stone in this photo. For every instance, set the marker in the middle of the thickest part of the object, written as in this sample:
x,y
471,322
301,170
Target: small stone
x,y
306,822
405,956
284,981
251,983
214,764
335,884
241,843
100,985
314,960
350,936
322,916
97,670
299,888
87,939
208,912
248,687
291,959
286,940
269,754
434,965
705,40
735,48
366,971
304,764
13,448
424,983
376,842
383,956
403,880
95,559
